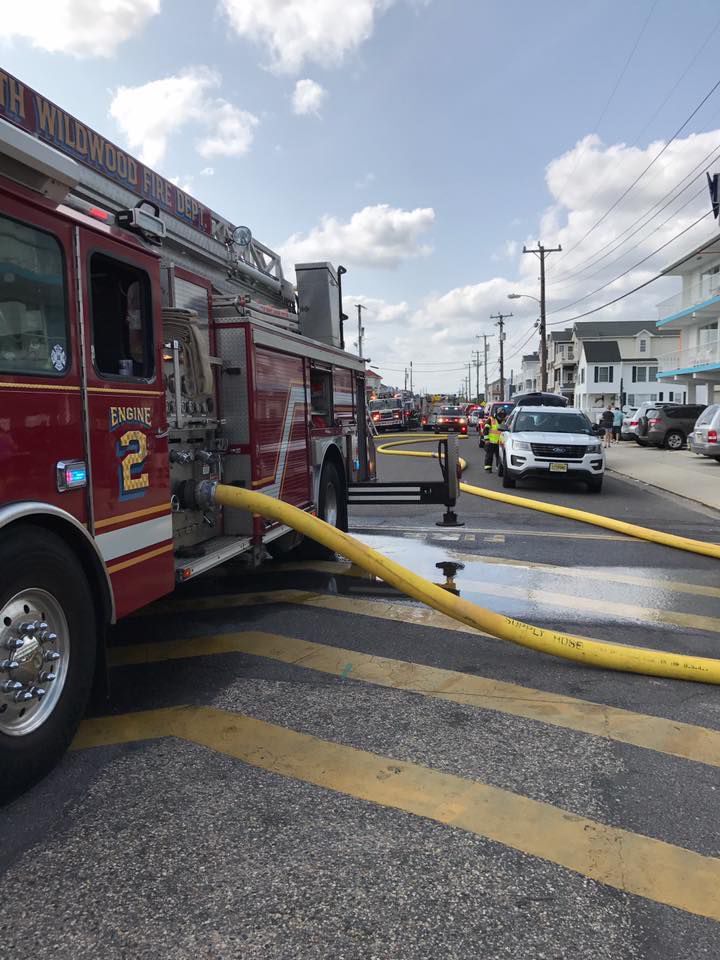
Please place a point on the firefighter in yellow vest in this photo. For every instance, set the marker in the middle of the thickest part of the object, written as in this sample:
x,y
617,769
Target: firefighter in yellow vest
x,y
493,439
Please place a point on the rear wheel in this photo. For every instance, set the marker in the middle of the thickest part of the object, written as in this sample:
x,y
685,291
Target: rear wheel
x,y
332,508
48,646
674,440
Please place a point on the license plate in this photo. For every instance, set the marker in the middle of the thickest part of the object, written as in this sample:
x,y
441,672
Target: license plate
x,y
558,468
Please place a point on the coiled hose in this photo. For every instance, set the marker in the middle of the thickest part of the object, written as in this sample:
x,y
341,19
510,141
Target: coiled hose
x,y
594,653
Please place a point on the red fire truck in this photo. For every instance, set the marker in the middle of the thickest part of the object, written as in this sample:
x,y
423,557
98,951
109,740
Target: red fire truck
x,y
146,344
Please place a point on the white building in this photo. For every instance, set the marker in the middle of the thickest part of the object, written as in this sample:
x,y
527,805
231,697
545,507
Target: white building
x,y
692,315
617,363
529,373
562,362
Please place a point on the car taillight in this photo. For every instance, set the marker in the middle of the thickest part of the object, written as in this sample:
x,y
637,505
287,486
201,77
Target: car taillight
x,y
712,436
653,422
633,423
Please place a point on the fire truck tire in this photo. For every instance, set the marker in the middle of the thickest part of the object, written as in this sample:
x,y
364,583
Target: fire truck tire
x,y
332,508
42,581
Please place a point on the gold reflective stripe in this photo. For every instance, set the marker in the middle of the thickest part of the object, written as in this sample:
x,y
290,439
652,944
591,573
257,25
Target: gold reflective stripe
x,y
40,386
630,862
124,564
135,515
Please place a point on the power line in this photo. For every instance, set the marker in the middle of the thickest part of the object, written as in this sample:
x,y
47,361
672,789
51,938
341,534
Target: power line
x,y
622,256
589,261
640,286
614,90
648,167
634,266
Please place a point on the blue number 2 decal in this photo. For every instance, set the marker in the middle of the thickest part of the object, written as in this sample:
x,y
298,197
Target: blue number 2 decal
x,y
132,451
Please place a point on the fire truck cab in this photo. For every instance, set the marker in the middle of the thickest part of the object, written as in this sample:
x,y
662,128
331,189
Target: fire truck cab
x,y
146,344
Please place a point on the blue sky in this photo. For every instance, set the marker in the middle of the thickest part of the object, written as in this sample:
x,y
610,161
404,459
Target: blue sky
x,y
444,136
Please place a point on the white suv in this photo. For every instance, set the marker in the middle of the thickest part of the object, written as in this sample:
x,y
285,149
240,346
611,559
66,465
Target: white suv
x,y
551,441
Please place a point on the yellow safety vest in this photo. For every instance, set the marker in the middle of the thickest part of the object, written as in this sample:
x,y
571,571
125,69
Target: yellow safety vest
x,y
493,433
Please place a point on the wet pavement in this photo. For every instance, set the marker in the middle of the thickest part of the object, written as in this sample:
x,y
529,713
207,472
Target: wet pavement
x,y
299,762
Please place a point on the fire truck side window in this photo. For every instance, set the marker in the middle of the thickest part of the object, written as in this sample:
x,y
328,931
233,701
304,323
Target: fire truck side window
x,y
321,398
33,311
121,318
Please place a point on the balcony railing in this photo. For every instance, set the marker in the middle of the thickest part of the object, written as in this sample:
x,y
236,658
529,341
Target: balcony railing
x,y
699,291
701,355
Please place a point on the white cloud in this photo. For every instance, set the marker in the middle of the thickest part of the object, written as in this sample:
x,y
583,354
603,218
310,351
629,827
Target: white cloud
x,y
232,131
308,97
79,27
378,236
185,183
207,172
296,31
148,115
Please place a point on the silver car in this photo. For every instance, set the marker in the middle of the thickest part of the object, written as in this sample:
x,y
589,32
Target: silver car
x,y
704,438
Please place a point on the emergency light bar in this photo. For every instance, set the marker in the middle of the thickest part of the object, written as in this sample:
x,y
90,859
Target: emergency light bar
x,y
149,225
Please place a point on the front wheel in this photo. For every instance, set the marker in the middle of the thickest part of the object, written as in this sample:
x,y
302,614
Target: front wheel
x,y
48,642
595,485
508,480
674,440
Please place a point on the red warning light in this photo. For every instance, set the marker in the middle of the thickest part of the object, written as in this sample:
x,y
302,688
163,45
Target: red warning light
x,y
99,214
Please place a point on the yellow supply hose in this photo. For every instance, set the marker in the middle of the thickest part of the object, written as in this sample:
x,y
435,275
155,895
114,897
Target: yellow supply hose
x,y
594,653
569,513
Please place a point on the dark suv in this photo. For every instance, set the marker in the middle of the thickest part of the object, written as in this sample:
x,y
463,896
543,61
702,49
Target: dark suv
x,y
669,427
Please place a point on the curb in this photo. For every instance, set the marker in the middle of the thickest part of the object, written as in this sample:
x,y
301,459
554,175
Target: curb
x,y
672,493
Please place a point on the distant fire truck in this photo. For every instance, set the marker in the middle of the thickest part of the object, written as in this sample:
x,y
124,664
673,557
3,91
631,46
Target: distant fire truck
x,y
146,344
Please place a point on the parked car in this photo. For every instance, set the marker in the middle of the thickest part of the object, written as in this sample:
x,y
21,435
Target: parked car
x,y
637,428
538,398
626,430
704,439
450,420
551,442
670,427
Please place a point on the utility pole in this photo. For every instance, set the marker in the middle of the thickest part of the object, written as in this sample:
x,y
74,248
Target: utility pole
x,y
541,253
411,387
483,337
476,361
361,329
501,318
406,375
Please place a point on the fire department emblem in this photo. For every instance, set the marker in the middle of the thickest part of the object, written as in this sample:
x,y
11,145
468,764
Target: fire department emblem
x,y
58,358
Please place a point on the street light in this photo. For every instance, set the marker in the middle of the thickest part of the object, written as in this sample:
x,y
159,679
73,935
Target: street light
x,y
518,296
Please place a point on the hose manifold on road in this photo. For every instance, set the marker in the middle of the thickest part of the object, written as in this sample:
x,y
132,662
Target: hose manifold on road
x,y
594,653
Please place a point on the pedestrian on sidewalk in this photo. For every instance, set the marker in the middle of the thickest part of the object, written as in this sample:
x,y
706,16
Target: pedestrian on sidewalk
x,y
606,424
617,423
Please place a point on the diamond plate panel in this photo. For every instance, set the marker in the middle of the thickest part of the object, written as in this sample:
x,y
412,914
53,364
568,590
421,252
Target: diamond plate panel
x,y
234,386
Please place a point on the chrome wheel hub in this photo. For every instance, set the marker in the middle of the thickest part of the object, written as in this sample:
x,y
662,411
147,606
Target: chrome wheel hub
x,y
331,506
34,654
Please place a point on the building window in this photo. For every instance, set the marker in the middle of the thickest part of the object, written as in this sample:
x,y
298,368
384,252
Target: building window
x,y
33,317
652,374
121,318
643,346
603,374
708,333
631,399
582,375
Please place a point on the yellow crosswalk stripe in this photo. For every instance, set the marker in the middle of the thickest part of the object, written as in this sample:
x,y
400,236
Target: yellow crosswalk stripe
x,y
630,862
685,740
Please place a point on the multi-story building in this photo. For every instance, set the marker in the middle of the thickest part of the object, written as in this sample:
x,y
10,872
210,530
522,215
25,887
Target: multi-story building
x,y
617,363
561,363
529,372
693,364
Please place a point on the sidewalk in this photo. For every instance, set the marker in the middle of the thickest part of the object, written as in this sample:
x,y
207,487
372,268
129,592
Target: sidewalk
x,y
679,472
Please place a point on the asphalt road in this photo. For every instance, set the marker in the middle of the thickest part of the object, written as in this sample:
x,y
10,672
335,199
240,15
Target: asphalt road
x,y
300,763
